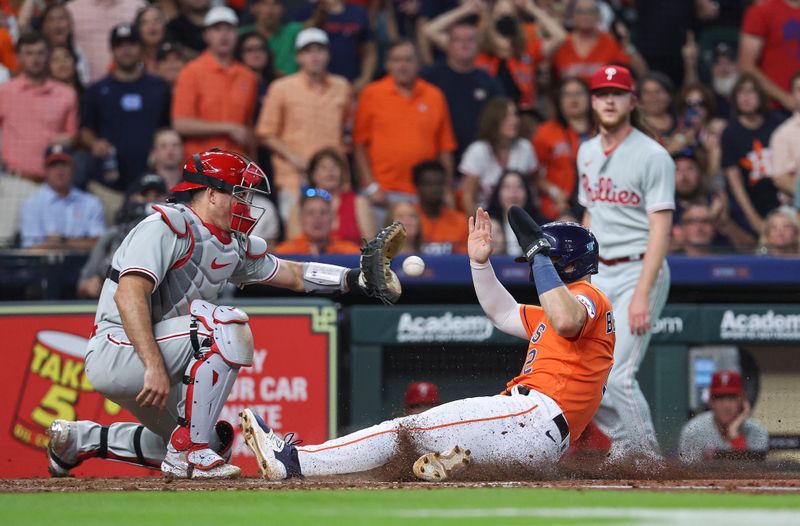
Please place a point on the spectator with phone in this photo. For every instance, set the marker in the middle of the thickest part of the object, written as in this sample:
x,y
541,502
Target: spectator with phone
x,y
726,431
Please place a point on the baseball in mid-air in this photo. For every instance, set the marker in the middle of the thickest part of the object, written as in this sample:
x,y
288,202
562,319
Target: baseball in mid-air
x,y
413,266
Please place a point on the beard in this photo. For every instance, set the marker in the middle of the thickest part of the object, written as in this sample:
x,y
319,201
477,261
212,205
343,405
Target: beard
x,y
724,85
611,124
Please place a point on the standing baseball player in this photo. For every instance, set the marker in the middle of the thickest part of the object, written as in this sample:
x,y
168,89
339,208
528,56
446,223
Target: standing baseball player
x,y
627,184
570,352
162,350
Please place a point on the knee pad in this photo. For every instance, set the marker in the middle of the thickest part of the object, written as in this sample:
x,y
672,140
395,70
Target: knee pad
x,y
233,339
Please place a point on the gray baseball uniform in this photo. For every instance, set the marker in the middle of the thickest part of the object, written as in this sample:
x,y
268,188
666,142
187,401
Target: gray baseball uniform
x,y
620,189
187,261
701,439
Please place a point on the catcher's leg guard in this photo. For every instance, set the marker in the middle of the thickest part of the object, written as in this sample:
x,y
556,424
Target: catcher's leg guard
x,y
210,376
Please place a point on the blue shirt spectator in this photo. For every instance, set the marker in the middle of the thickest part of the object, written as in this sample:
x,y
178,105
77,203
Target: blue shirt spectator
x,y
466,88
58,215
351,45
121,113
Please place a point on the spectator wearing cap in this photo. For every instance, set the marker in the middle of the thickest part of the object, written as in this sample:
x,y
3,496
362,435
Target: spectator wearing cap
x,y
147,190
785,148
35,112
768,47
189,26
316,223
120,113
401,121
281,36
170,60
746,157
215,96
727,431
708,210
353,53
724,73
166,156
420,396
444,230
93,21
59,216
302,114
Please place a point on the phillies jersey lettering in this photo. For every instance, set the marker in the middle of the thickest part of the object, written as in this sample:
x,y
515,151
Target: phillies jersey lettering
x,y
620,188
607,191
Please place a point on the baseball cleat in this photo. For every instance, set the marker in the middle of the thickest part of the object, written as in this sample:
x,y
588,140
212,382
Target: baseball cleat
x,y
277,459
436,467
62,450
197,464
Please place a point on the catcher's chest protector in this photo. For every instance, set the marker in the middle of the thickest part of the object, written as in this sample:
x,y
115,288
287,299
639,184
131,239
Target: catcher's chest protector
x,y
202,276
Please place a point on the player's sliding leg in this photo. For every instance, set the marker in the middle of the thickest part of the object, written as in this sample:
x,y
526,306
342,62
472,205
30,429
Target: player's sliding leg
x,y
209,379
496,430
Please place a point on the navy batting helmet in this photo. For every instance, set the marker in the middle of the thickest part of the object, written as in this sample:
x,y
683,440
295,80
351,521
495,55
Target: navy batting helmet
x,y
572,244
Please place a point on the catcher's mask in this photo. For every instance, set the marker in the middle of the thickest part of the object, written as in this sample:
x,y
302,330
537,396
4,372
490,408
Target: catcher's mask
x,y
233,174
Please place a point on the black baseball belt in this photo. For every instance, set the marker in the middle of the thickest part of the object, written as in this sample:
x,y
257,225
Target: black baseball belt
x,y
625,259
558,420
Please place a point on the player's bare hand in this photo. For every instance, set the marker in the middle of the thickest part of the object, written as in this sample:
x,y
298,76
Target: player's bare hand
x,y
735,427
479,242
156,388
639,314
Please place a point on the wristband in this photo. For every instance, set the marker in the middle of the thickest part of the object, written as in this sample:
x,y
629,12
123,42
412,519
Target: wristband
x,y
544,274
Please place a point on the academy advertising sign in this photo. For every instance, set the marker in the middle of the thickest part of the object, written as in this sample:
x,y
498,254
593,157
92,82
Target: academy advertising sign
x,y
43,379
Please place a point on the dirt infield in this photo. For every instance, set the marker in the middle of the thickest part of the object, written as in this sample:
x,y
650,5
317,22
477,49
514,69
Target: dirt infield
x,y
156,483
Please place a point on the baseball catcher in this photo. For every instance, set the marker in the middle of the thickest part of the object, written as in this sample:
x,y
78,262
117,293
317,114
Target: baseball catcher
x,y
164,350
539,413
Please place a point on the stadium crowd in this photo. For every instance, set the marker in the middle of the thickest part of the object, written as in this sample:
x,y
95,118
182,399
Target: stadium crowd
x,y
366,111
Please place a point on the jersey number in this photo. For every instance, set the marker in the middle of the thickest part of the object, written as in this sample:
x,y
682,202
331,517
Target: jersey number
x,y
527,367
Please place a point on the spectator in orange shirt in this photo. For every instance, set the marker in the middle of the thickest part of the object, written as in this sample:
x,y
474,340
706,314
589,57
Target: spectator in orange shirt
x,y
215,96
303,113
401,121
556,144
316,221
444,230
587,48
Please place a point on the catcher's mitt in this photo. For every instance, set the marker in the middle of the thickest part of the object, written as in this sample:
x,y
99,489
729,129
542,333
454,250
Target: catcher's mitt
x,y
376,279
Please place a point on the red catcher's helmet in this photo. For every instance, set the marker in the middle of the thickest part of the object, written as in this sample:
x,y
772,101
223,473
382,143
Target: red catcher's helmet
x,y
422,393
231,173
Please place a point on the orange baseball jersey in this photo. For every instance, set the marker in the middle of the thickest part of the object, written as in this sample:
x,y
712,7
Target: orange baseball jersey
x,y
571,371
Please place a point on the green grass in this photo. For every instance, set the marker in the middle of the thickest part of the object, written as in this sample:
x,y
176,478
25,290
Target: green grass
x,y
462,507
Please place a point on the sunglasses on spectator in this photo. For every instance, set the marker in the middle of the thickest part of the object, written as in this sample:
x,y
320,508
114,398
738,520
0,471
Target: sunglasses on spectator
x,y
310,193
